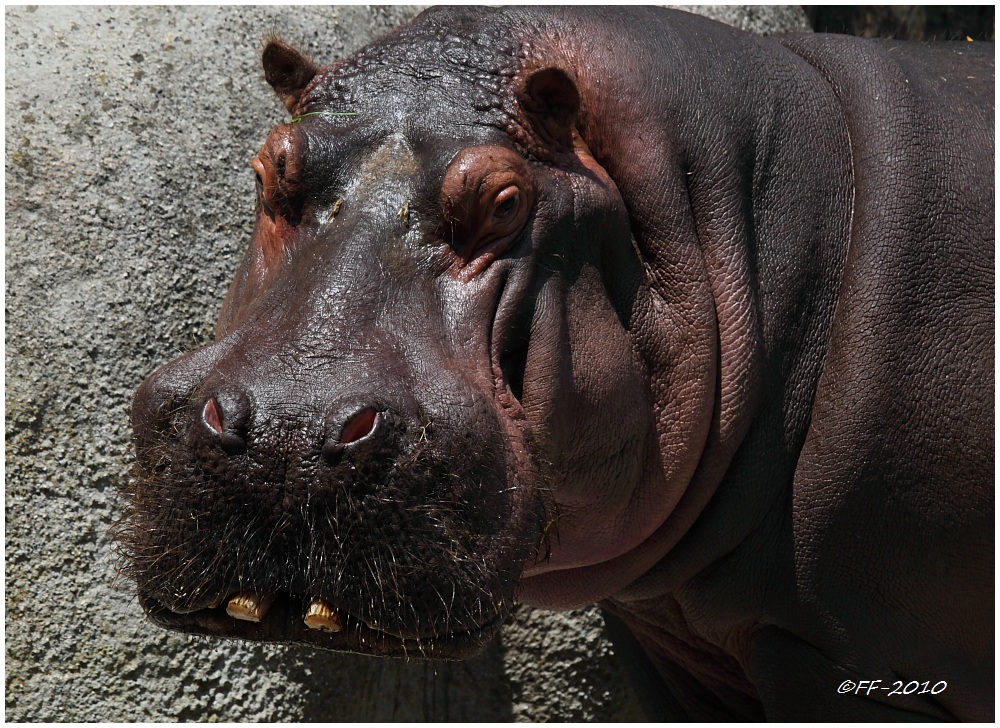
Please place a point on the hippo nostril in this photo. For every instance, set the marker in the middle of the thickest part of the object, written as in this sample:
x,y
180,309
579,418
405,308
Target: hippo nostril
x,y
226,417
359,426
212,415
356,428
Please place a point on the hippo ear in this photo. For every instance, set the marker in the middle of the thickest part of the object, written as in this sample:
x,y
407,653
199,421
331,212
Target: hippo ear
x,y
287,70
551,101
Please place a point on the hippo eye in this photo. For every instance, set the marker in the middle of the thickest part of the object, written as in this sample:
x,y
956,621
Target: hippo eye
x,y
487,195
279,174
262,177
259,181
505,205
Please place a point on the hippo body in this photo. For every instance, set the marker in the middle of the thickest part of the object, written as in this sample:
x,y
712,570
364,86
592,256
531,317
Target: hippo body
x,y
620,306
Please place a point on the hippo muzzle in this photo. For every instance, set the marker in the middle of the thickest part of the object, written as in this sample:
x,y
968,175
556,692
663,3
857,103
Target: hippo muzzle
x,y
334,487
258,521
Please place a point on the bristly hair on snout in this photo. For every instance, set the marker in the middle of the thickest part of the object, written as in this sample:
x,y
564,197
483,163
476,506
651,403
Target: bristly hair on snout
x,y
387,537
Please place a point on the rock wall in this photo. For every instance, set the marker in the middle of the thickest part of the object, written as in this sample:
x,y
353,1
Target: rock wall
x,y
129,200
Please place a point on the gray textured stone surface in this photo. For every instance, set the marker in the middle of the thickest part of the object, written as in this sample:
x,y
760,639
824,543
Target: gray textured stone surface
x,y
761,19
128,132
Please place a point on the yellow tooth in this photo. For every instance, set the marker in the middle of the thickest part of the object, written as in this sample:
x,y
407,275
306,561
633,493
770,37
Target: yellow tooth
x,y
249,606
322,616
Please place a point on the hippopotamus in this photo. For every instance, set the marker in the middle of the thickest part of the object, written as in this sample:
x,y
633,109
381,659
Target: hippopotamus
x,y
619,306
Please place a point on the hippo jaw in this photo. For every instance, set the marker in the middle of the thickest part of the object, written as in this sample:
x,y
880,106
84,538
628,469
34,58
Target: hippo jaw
x,y
286,620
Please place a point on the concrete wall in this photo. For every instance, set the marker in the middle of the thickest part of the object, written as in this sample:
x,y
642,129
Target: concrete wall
x,y
128,132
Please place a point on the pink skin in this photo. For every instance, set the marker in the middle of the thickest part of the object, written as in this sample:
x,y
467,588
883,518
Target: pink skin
x,y
621,479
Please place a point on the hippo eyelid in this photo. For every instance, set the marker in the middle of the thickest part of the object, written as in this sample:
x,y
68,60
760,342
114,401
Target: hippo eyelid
x,y
508,205
262,194
487,195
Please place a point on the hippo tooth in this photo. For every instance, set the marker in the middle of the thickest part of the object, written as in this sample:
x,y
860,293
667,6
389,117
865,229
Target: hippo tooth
x,y
322,616
249,606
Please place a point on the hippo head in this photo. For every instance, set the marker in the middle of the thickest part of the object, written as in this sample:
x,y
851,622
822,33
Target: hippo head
x,y
423,389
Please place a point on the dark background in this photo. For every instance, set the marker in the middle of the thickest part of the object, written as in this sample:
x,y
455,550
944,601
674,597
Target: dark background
x,y
905,22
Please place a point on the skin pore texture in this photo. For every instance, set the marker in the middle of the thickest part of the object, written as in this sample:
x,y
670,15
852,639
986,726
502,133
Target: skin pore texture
x,y
520,320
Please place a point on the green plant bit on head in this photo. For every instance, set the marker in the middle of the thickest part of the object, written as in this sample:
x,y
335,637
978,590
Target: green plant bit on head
x,y
322,113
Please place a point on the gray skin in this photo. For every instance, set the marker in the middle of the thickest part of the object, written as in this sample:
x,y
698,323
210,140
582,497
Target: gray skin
x,y
622,306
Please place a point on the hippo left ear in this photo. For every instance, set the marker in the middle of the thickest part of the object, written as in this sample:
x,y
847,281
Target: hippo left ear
x,y
551,101
287,70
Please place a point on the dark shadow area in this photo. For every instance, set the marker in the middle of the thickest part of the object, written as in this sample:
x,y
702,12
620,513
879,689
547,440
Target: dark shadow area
x,y
905,22
655,699
358,688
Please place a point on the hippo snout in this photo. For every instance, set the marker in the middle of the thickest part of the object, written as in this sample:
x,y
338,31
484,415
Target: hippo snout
x,y
272,506
159,404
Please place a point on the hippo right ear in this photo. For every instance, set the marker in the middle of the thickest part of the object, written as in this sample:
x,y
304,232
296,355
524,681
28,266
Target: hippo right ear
x,y
287,70
551,101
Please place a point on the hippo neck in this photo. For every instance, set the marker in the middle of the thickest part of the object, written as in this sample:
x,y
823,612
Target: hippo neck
x,y
752,169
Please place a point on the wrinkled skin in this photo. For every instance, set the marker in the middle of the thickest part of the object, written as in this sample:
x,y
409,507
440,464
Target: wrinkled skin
x,y
705,336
